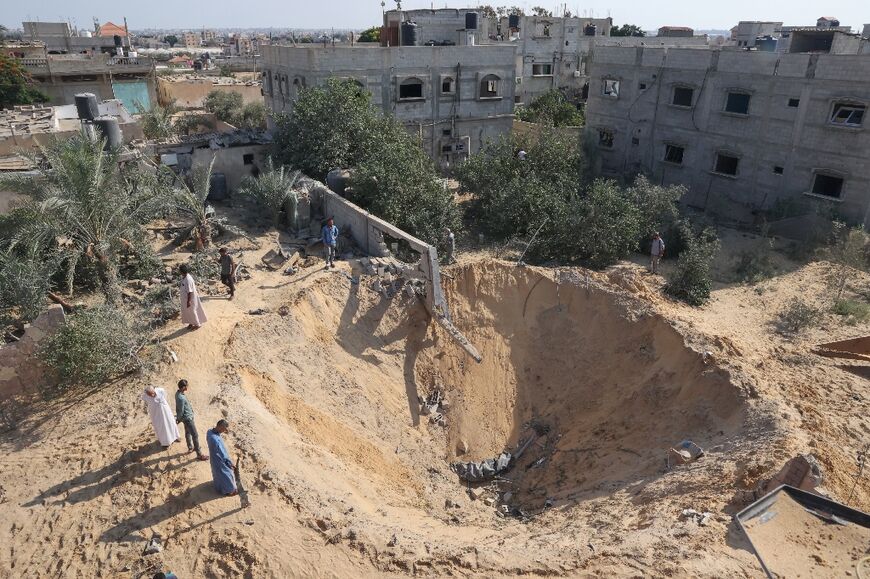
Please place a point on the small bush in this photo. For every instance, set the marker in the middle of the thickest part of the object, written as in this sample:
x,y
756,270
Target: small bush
x,y
692,279
92,347
161,303
204,266
754,265
854,311
798,316
24,283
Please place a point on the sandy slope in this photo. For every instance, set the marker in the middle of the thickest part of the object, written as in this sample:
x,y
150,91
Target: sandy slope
x,y
347,479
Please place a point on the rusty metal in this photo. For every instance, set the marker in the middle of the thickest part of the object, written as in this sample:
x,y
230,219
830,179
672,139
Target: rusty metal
x,y
853,349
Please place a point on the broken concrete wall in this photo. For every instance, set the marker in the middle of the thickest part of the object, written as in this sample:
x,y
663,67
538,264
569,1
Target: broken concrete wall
x,y
20,371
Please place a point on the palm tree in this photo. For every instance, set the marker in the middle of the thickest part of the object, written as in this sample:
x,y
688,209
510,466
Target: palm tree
x,y
189,201
273,189
83,204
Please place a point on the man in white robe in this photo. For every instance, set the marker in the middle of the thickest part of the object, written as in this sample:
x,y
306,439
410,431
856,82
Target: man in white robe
x,y
161,415
192,312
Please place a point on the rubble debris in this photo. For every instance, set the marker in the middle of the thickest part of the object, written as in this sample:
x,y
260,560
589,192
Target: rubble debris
x,y
393,541
484,470
685,452
258,312
475,493
702,519
489,501
461,447
153,545
802,472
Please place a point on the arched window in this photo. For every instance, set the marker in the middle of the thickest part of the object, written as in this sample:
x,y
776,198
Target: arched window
x,y
489,86
411,89
448,85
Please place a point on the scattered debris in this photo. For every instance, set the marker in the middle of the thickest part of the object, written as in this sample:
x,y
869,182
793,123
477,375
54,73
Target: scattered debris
x,y
685,452
489,501
702,519
153,545
802,472
393,541
461,447
258,312
283,311
475,493
481,471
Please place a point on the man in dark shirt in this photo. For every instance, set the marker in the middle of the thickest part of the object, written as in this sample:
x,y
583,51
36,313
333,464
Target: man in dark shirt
x,y
184,413
228,271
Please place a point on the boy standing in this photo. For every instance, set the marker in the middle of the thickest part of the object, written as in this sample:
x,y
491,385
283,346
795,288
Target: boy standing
x,y
184,413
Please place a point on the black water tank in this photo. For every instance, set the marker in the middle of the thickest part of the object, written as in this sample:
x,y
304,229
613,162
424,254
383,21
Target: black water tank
x,y
87,106
514,21
110,131
117,40
409,34
590,30
471,20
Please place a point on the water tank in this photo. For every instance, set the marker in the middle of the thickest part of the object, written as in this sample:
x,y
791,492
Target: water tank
x,y
514,21
117,40
110,131
471,20
590,30
409,34
87,106
85,34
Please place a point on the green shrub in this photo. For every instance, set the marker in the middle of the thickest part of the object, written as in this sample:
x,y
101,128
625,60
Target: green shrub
x,y
92,347
24,283
797,316
854,311
161,303
691,280
551,109
204,266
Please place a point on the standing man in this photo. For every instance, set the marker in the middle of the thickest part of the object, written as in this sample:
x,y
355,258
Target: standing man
x,y
184,413
192,312
656,252
329,235
161,416
451,245
228,271
221,466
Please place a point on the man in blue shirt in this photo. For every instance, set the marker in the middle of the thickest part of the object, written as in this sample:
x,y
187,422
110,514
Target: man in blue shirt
x,y
222,472
329,236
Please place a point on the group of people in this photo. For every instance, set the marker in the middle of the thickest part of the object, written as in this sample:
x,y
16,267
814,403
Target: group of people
x,y
166,428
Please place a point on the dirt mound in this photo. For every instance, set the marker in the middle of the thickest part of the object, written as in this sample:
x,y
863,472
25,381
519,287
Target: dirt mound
x,y
612,386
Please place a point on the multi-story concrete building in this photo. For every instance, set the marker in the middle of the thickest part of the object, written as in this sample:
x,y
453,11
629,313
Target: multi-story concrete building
x,y
453,97
191,40
745,131
550,51
130,79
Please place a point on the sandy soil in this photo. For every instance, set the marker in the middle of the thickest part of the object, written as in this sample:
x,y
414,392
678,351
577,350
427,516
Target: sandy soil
x,y
346,477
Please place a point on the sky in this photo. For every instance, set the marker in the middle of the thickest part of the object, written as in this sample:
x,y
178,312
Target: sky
x,y
700,14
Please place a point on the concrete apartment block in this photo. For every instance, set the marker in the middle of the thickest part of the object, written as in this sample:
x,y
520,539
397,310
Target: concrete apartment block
x,y
453,97
744,131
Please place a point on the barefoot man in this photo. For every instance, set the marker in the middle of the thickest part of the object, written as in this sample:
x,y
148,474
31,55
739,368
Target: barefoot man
x,y
191,307
161,415
221,465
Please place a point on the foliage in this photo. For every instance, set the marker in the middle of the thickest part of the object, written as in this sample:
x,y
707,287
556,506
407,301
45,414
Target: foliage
x,y
161,303
691,280
189,201
273,189
330,127
552,109
797,316
186,123
24,282
396,180
252,116
627,30
225,70
540,11
372,34
156,121
83,204
486,11
849,252
204,265
92,347
16,86
855,312
224,104
171,39
756,264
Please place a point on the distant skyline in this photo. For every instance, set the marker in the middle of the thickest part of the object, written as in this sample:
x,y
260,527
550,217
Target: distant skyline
x,y
365,13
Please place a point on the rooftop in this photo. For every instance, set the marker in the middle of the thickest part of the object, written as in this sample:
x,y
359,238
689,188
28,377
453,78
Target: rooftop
x,y
38,119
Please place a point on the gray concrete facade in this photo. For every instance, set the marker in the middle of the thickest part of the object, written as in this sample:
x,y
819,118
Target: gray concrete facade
x,y
747,132
454,97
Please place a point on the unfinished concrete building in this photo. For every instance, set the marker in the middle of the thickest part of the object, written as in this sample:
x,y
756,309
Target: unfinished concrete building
x,y
453,97
550,51
747,132
60,38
